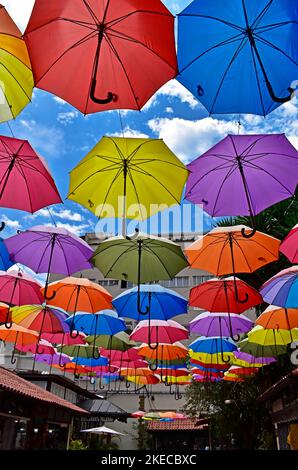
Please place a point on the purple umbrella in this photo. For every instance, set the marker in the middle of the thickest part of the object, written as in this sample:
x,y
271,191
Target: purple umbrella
x,y
50,250
243,175
282,289
220,324
252,360
52,359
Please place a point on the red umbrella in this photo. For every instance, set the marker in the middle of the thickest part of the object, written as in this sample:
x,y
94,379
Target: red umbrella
x,y
218,295
289,246
102,55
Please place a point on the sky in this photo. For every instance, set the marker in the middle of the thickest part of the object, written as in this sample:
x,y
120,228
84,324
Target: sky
x,y
63,136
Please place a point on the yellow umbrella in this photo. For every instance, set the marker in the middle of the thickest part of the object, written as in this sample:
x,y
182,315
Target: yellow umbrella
x,y
16,78
272,337
215,359
135,178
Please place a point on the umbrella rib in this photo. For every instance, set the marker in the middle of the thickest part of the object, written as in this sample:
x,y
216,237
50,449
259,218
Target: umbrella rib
x,y
273,177
19,84
92,13
257,79
256,156
21,171
260,15
227,176
242,251
136,192
148,248
124,17
208,17
108,168
143,161
110,188
273,46
269,27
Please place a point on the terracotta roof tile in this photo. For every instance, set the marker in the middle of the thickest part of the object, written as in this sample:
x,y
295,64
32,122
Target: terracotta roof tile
x,y
11,382
189,424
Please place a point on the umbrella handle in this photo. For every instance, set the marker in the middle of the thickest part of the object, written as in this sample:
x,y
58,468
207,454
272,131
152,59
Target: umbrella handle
x,y
110,96
37,351
60,363
132,237
226,361
178,396
127,384
147,309
74,336
235,338
101,387
248,235
13,359
276,98
95,354
2,226
49,297
153,367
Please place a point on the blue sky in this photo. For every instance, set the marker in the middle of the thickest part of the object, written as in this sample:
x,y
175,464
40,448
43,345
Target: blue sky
x,y
63,136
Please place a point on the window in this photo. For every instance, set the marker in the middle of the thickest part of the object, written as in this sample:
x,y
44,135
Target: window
x,y
181,281
108,282
126,284
200,279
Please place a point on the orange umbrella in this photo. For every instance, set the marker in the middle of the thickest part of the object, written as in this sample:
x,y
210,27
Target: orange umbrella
x,y
228,250
72,368
277,318
79,295
233,378
164,352
18,335
141,380
142,371
5,314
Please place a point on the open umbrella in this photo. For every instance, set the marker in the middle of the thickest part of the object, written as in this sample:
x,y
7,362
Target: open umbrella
x,y
278,318
260,350
5,261
163,353
220,324
289,246
16,78
49,250
238,56
119,341
65,338
261,169
126,173
224,250
281,289
219,295
272,337
102,430
102,55
17,288
244,359
143,259
46,347
18,335
159,331
213,345
25,181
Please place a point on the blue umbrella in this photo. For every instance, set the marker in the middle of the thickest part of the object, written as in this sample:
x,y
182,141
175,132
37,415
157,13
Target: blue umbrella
x,y
239,56
213,345
162,303
105,322
5,261
91,362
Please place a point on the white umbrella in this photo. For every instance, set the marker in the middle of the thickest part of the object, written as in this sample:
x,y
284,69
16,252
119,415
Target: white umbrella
x,y
102,430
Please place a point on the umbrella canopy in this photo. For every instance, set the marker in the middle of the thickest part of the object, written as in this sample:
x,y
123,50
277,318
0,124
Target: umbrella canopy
x,y
225,250
91,362
119,341
259,350
143,380
5,261
105,322
220,324
278,318
83,351
64,338
102,430
272,337
102,55
45,346
244,359
242,371
116,355
52,359
164,352
50,249
79,294
26,183
17,288
213,365
238,56
159,331
219,295
40,318
261,169
19,335
162,303
143,172
281,289
16,78
212,345
135,371
289,246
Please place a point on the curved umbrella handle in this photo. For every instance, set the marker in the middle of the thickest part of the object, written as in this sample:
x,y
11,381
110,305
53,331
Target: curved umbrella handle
x,y
276,98
178,396
62,365
236,338
101,387
2,226
13,359
153,367
49,297
38,351
226,361
127,384
110,96
248,235
153,348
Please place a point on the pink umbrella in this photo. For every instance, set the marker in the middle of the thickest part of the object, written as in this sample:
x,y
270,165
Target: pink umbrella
x,y
65,339
289,246
116,355
46,347
17,288
159,331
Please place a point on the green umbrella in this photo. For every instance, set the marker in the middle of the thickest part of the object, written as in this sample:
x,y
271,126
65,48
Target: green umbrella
x,y
120,341
140,259
258,350
77,351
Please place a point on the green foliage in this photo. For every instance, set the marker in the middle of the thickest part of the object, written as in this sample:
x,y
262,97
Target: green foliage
x,y
144,439
77,445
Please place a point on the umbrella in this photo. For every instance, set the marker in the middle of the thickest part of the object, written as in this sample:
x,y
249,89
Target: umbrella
x,y
214,359
91,362
16,78
135,371
102,55
119,341
46,346
244,359
272,337
225,250
105,322
242,371
52,359
5,261
158,331
142,173
233,378
102,430
261,169
138,414
143,259
213,345
289,246
116,355
81,350
49,250
18,335
163,353
65,338
281,289
238,56
162,303
144,380
259,350
219,295
278,318
25,181
17,288
220,324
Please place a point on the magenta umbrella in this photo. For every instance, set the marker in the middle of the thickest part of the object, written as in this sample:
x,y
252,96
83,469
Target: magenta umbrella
x,y
220,324
65,338
243,174
289,246
50,250
25,182
116,355
53,359
158,331
17,288
46,346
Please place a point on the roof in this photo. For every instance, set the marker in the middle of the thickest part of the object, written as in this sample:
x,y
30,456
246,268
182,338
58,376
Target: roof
x,y
278,386
11,382
189,424
288,414
102,407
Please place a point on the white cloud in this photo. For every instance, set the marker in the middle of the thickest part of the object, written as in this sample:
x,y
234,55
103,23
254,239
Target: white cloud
x,y
187,138
128,132
59,100
64,214
174,89
68,117
169,110
19,10
45,139
76,229
10,223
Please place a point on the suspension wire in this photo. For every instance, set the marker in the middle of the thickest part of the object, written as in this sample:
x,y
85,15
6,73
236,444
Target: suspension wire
x,y
10,129
51,216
